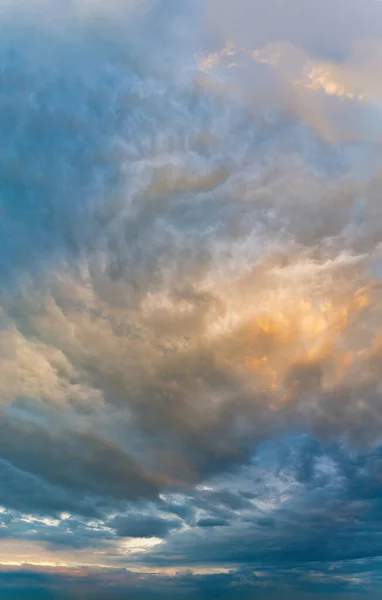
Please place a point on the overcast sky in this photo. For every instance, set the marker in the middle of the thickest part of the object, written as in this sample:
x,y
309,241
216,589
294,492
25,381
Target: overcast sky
x,y
190,299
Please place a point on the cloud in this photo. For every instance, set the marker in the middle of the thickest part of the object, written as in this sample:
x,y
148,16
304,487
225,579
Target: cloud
x,y
190,326
324,29
211,523
116,583
141,526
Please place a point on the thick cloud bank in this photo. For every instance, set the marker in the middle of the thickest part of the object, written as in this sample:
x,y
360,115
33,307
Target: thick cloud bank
x,y
190,321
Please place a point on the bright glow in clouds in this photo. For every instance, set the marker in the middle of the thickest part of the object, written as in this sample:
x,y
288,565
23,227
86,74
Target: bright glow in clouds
x,y
190,299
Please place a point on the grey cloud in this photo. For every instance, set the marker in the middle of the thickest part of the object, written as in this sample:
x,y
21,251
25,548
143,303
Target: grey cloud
x,y
334,580
211,523
328,513
229,499
185,279
141,526
26,492
80,461
184,511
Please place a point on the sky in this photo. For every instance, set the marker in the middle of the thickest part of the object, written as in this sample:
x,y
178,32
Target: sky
x,y
190,299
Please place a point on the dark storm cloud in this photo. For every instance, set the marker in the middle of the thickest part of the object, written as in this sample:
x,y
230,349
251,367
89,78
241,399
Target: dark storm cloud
x,y
142,526
102,463
26,492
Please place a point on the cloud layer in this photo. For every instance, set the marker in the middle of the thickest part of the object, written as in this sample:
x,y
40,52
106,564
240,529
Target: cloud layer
x,y
190,325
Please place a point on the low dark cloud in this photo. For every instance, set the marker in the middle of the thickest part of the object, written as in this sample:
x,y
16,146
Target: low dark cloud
x,y
141,526
211,523
237,584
